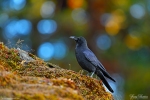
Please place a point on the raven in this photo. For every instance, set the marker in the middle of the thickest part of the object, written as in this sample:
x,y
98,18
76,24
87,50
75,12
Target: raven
x,y
89,62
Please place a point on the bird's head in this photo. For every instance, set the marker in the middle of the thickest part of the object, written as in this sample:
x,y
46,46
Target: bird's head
x,y
79,40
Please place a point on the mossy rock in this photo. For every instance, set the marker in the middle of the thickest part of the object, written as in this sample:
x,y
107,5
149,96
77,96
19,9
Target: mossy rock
x,y
23,76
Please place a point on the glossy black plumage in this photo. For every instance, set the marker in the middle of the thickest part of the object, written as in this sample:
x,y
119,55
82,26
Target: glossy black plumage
x,y
89,62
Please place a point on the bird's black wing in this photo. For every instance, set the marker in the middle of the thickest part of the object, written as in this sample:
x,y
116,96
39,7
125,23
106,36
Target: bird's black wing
x,y
89,55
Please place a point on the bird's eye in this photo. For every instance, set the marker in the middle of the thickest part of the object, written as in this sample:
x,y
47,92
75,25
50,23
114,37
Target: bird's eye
x,y
77,39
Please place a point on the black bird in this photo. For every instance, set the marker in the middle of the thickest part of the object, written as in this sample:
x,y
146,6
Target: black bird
x,y
89,62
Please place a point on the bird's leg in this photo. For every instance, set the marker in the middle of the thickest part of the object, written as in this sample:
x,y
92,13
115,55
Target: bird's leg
x,y
92,74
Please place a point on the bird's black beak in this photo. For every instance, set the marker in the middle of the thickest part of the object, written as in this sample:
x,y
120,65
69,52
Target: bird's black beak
x,y
73,37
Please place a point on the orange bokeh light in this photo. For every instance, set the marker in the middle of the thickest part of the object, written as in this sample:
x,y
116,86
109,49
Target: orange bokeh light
x,y
133,42
112,28
75,3
114,24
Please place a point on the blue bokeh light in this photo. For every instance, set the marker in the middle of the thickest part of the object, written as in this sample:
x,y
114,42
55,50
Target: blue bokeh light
x,y
23,27
17,4
15,27
60,50
103,42
47,26
10,30
46,51
137,11
118,87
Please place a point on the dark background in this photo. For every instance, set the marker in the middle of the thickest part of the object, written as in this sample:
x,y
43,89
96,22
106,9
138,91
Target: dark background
x,y
117,31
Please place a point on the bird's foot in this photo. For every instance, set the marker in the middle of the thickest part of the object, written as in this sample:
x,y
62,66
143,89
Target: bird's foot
x,y
92,74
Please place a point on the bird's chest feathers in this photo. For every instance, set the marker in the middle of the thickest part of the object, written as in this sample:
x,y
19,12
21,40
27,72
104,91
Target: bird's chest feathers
x,y
79,55
79,50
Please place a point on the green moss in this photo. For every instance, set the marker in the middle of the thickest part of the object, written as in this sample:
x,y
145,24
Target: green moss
x,y
33,79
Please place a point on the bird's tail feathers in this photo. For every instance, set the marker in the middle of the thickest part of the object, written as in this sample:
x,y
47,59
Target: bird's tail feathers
x,y
101,76
106,74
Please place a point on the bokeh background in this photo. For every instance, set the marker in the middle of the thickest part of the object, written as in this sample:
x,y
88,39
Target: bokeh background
x,y
117,31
